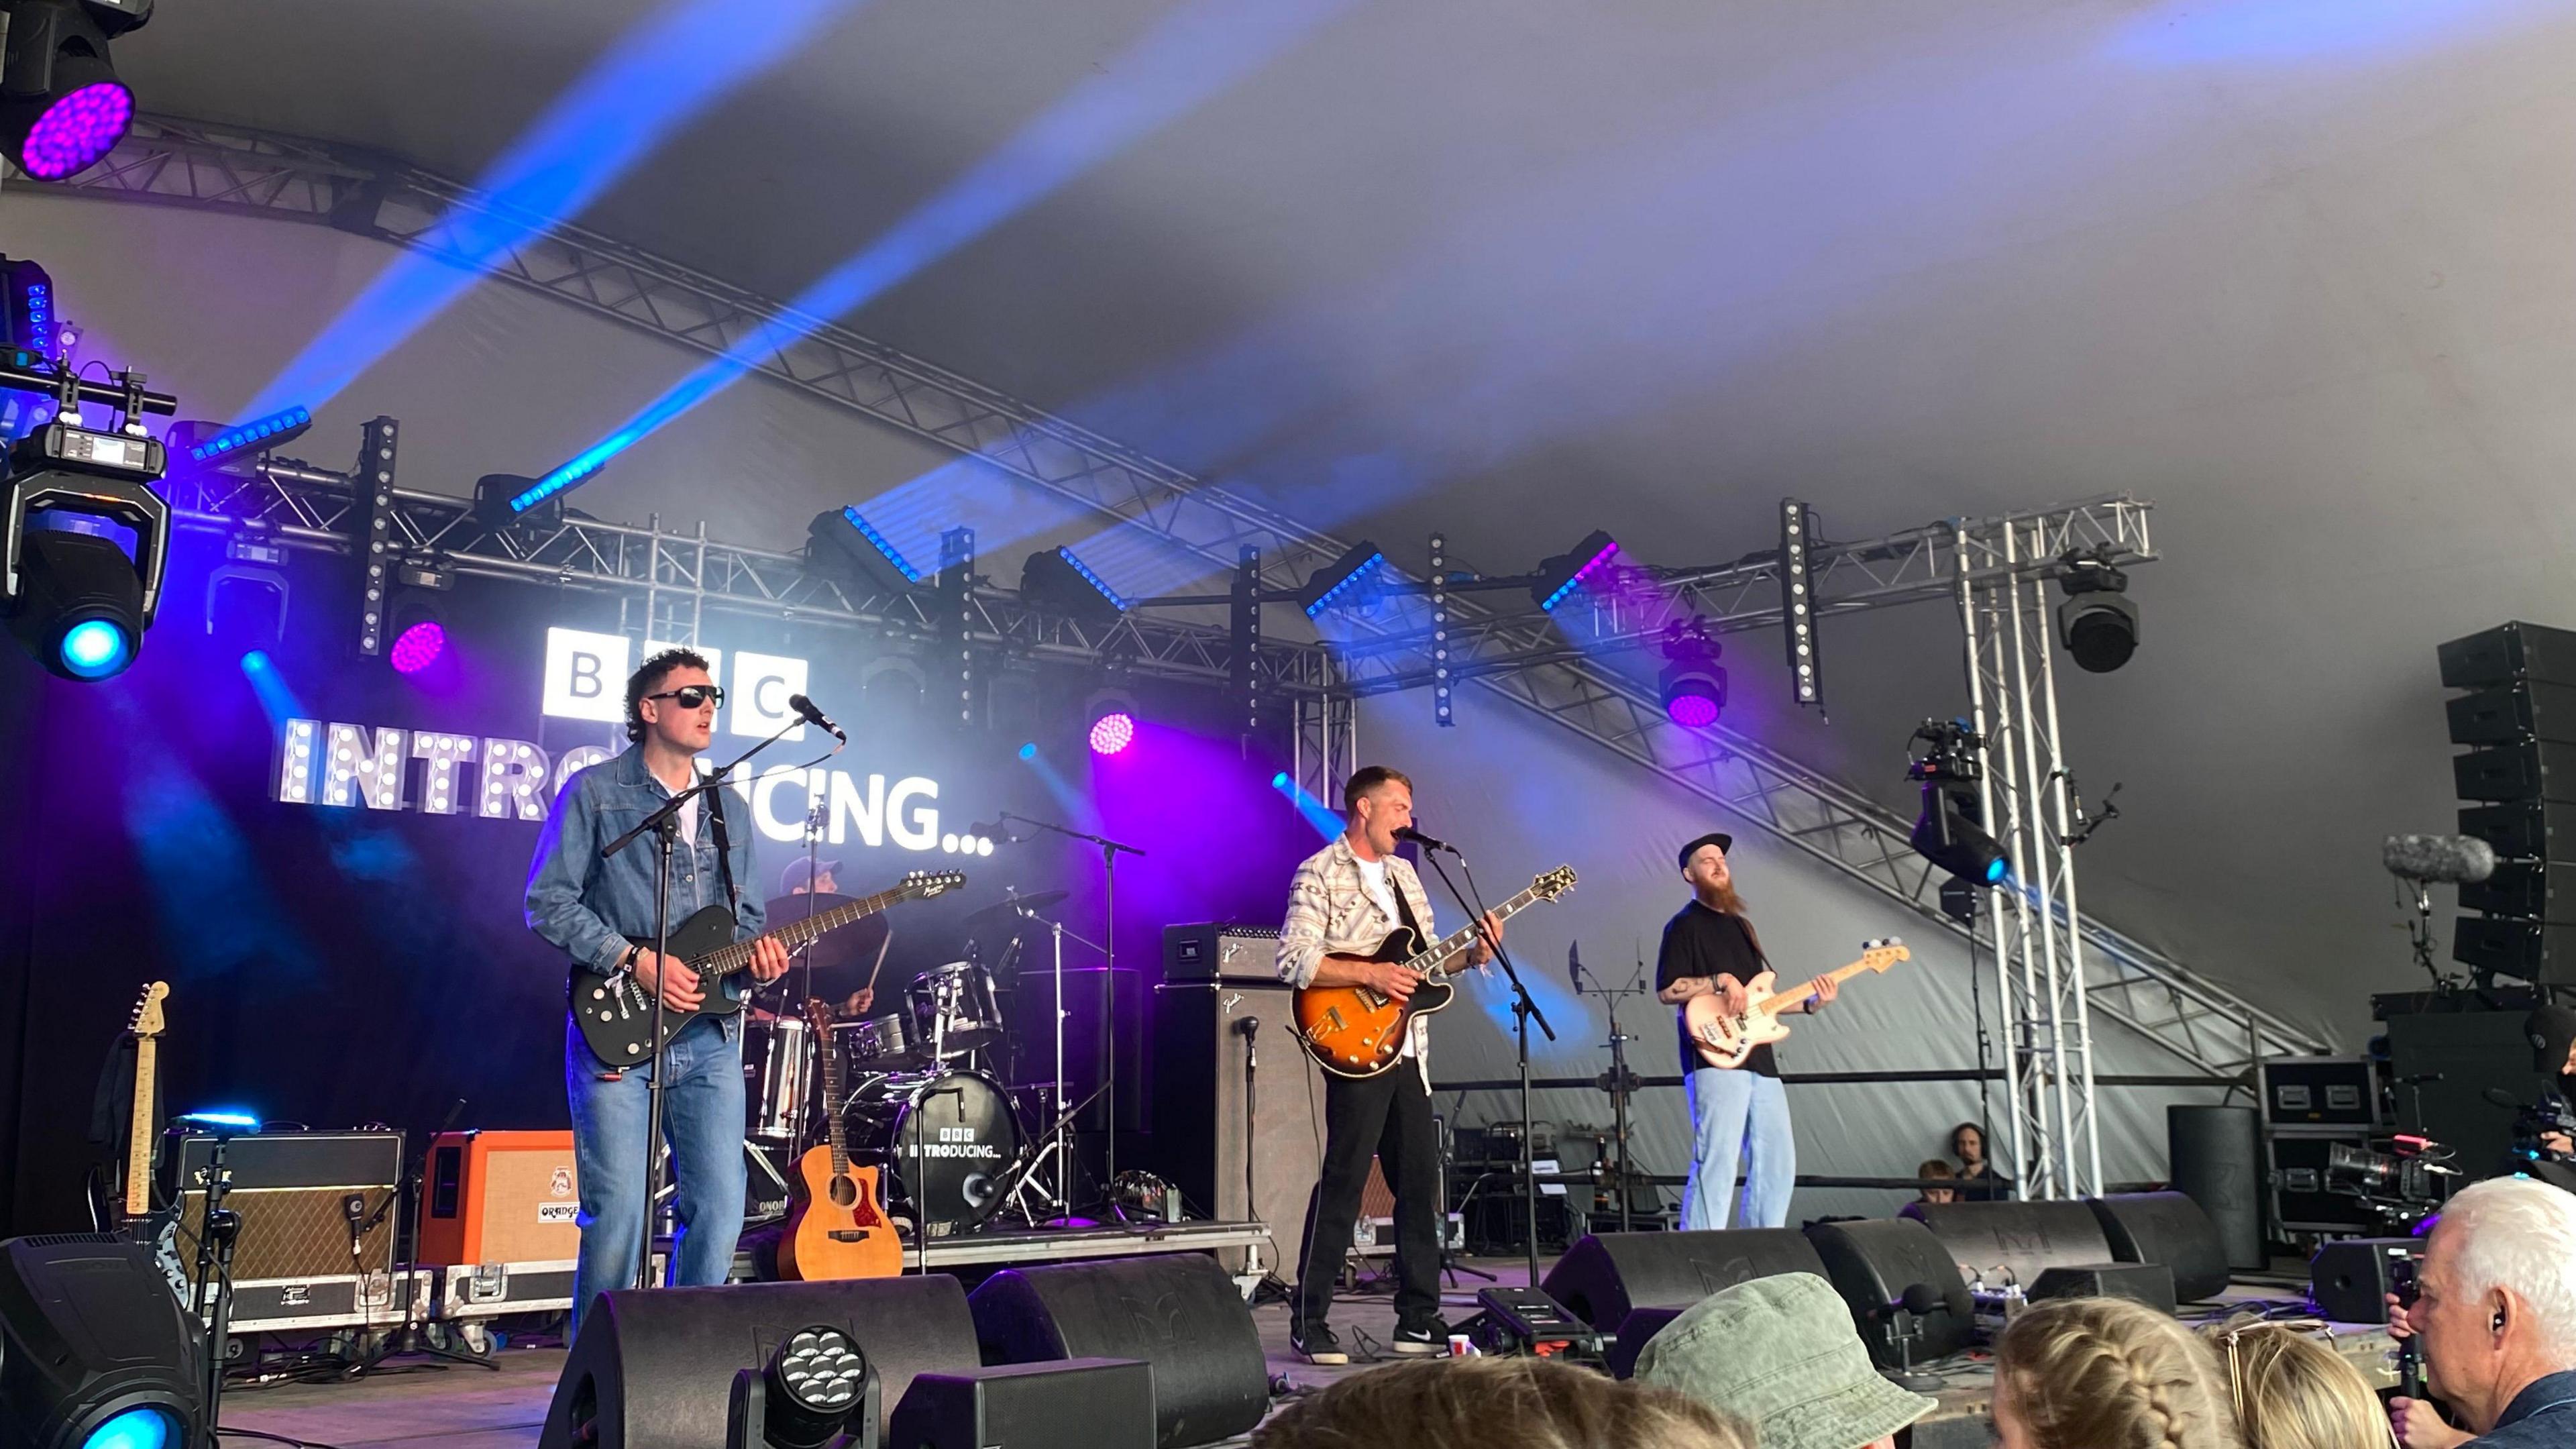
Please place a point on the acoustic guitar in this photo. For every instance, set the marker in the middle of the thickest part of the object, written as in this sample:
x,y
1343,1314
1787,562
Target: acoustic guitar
x,y
1358,1031
615,1012
836,1223
1725,1040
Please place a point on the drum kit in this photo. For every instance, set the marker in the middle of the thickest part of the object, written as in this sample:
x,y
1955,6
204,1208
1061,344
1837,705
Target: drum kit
x,y
926,1096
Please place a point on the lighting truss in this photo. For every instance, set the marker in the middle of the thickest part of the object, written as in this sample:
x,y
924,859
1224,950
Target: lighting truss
x,y
168,161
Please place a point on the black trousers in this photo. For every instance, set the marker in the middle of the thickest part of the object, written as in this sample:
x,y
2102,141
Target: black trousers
x,y
1387,1117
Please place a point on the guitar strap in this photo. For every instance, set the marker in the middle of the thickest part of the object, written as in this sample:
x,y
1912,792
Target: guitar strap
x,y
724,852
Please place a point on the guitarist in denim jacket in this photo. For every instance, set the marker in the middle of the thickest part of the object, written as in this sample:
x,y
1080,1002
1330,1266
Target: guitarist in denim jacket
x,y
1346,899
589,907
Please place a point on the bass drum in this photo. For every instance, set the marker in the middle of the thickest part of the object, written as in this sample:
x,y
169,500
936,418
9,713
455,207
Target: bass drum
x,y
945,1143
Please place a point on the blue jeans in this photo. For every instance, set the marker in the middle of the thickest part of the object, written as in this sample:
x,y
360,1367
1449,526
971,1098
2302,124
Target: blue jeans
x,y
1723,1105
702,1119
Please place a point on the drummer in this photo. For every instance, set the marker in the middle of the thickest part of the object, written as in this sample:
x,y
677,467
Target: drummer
x,y
809,877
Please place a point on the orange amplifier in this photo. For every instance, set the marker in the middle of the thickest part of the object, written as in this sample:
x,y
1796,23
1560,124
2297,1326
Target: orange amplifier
x,y
499,1197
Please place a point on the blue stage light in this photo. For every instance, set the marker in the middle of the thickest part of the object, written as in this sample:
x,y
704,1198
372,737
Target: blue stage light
x,y
1347,579
852,539
274,431
144,1428
1279,781
1029,751
1560,576
225,1118
1093,579
95,649
1059,579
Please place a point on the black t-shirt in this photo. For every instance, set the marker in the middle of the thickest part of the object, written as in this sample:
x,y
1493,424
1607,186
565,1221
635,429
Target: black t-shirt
x,y
1702,942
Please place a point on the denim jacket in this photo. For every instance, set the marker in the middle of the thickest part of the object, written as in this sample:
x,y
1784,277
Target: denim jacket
x,y
589,906
2543,1413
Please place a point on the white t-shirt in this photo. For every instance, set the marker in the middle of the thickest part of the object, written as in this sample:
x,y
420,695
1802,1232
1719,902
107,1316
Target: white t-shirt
x,y
689,821
1381,893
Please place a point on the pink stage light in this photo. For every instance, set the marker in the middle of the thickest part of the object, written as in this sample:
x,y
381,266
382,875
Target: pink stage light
x,y
1112,733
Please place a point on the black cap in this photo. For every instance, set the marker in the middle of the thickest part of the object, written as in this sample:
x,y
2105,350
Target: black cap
x,y
1724,842
2549,1030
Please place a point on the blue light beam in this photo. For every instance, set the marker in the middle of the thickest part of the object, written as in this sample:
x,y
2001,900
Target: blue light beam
x,y
1191,55
654,80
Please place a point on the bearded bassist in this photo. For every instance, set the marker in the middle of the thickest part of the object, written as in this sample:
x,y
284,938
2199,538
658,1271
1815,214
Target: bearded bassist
x,y
1710,949
594,910
1344,902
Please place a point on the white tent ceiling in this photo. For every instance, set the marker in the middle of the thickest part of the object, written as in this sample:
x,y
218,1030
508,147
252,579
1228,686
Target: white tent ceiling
x,y
2298,270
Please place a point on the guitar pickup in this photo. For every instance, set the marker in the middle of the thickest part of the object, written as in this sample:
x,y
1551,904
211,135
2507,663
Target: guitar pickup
x,y
1333,1019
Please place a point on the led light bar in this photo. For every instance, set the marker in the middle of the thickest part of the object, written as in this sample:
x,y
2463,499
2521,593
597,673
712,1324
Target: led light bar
x,y
275,430
1342,578
1093,579
1589,558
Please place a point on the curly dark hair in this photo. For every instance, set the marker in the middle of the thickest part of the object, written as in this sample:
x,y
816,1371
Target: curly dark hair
x,y
648,678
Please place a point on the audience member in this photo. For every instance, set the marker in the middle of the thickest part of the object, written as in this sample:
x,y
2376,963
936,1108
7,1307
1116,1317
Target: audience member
x,y
1977,1179
1781,1354
2496,1311
1935,1167
2106,1373
1530,1403
2291,1390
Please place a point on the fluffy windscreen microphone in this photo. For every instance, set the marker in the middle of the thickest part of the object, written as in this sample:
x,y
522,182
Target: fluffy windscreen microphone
x,y
2461,858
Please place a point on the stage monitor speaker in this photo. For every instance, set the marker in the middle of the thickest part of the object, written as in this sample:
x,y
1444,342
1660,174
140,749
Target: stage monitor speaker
x,y
1640,1326
94,1350
2216,1157
2349,1281
500,1197
2148,1283
1872,1262
1180,1313
2167,1228
1080,1403
1606,1275
1995,1243
1199,1121
653,1368
294,1191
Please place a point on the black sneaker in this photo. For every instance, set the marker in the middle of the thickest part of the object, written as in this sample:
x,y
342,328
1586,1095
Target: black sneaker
x,y
1417,1339
1316,1343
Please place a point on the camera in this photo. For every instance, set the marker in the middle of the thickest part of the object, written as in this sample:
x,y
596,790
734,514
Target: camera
x,y
2401,1188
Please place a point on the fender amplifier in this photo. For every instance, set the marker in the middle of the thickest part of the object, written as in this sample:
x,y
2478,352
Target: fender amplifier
x,y
312,1204
499,1197
1210,951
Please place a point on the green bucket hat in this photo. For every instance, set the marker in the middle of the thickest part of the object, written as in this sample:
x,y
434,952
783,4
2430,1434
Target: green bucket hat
x,y
1782,1353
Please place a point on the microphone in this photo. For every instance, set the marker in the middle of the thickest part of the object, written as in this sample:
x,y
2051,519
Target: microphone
x,y
2463,859
806,711
1921,1298
1244,1027
1407,832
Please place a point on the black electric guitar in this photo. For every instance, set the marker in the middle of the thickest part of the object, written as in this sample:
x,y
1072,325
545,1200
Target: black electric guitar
x,y
616,1013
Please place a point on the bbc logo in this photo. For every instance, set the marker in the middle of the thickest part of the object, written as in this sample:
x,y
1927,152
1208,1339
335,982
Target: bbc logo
x,y
586,679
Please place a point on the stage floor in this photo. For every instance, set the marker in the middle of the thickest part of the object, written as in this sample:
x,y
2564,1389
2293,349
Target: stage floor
x,y
458,1406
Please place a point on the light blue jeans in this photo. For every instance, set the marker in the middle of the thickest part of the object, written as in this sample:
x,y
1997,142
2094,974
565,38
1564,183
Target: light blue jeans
x,y
702,1119
1723,1106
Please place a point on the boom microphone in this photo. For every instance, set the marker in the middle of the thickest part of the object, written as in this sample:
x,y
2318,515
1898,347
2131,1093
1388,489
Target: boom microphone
x,y
2460,858
806,711
1407,832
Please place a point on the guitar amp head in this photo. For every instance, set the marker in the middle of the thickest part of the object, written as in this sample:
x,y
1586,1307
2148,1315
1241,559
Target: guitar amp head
x,y
1210,951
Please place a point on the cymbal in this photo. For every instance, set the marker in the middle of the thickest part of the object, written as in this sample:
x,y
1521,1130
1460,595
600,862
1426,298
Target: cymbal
x,y
1009,910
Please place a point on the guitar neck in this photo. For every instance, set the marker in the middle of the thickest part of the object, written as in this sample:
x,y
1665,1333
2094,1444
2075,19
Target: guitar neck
x,y
1796,994
727,959
1435,961
138,1140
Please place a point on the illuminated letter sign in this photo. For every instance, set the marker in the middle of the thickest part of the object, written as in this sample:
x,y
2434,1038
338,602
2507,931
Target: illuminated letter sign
x,y
586,675
757,703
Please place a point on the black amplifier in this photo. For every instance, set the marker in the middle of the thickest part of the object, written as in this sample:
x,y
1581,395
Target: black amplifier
x,y
1215,951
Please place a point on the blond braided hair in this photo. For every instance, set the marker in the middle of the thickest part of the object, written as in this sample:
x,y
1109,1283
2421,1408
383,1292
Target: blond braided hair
x,y
2106,1373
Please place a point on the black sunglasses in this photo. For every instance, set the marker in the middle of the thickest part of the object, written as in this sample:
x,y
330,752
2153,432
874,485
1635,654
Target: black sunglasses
x,y
691,696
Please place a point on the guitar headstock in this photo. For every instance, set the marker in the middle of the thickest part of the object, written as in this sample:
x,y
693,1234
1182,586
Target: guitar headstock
x,y
921,885
146,1020
1553,884
818,1015
1880,954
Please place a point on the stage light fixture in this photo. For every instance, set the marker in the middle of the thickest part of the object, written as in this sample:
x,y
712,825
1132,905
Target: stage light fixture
x,y
817,1384
1692,684
418,645
95,1352
205,444
1350,580
62,108
1029,750
843,539
1112,722
1560,576
1951,831
74,598
1798,602
2098,625
1057,578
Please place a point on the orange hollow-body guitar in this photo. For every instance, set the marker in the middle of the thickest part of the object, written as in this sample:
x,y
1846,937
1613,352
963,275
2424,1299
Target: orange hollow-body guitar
x,y
1724,1040
836,1223
1353,1031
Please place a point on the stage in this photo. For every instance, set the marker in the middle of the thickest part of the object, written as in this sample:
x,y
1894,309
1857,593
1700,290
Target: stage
x,y
422,1403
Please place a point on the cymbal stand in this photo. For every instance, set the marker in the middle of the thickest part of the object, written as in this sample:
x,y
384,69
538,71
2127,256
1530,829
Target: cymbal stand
x,y
1109,853
1618,1081
1056,1149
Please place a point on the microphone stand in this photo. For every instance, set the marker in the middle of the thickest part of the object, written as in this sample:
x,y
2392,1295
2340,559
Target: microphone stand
x,y
1109,850
1524,1011
1618,1081
664,822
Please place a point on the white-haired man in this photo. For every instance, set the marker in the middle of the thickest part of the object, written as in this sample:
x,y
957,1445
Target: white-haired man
x,y
2496,1309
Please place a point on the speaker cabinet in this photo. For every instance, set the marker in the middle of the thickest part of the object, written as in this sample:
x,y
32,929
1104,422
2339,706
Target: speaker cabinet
x,y
1872,1262
295,1192
2350,1281
2217,1162
2167,1228
1605,1275
2147,1283
1082,1403
1180,1313
1200,1125
653,1368
500,1197
1995,1243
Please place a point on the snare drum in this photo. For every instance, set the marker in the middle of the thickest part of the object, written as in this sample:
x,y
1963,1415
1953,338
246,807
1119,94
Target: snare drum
x,y
879,1044
954,1010
945,1141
